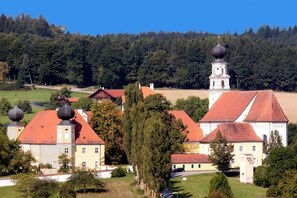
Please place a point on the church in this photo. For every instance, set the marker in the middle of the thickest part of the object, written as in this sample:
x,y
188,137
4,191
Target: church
x,y
245,118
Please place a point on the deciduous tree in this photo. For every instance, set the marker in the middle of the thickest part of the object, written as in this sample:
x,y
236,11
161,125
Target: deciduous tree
x,y
107,123
221,152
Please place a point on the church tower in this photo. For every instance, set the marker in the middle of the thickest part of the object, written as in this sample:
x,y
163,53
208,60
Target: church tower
x,y
66,133
219,78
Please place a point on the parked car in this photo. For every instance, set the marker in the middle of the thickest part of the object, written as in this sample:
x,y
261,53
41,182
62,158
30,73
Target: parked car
x,y
178,170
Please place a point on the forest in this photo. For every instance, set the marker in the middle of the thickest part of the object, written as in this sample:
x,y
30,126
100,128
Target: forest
x,y
45,53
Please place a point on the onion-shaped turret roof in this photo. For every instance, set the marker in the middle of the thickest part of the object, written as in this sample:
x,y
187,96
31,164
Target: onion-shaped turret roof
x,y
218,51
65,113
15,114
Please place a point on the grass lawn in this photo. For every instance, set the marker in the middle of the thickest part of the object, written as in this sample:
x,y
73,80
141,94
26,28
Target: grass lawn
x,y
116,187
197,186
37,95
9,192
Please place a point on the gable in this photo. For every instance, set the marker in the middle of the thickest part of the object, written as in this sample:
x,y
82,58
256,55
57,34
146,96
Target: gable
x,y
100,94
266,109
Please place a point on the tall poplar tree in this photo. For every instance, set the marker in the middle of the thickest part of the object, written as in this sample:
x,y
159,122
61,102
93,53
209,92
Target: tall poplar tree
x,y
133,94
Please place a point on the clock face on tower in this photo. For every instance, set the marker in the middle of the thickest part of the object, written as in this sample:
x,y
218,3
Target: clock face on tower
x,y
218,71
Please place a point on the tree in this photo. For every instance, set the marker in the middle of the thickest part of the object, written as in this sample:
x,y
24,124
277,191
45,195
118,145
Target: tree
x,y
292,133
195,107
65,91
275,141
287,186
107,123
221,152
83,103
64,162
5,106
4,70
24,182
133,95
220,184
261,176
280,160
83,180
25,106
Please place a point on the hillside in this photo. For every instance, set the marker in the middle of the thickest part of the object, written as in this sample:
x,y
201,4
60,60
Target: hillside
x,y
286,100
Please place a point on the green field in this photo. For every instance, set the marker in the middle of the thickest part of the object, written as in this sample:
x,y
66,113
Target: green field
x,y
197,186
37,95
115,187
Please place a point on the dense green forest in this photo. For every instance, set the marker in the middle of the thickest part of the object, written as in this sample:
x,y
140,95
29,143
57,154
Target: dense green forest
x,y
262,59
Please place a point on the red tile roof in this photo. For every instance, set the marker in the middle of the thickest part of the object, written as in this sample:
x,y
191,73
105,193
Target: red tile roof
x,y
266,108
229,106
195,133
72,99
232,104
234,132
116,92
42,129
189,158
107,93
146,91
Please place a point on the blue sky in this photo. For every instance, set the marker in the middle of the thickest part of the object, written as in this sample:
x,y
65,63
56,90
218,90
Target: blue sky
x,y
131,16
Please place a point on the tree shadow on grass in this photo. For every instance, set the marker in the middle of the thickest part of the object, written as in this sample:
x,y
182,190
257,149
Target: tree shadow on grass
x,y
177,191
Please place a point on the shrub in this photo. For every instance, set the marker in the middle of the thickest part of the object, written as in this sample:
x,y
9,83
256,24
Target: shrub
x,y
44,188
118,172
261,177
220,184
25,106
273,191
5,106
67,191
216,194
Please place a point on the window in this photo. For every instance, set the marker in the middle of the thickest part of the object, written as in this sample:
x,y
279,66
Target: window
x,y
83,150
183,166
241,148
192,166
84,164
199,165
213,83
265,139
66,150
223,84
174,166
96,150
96,164
254,148
232,161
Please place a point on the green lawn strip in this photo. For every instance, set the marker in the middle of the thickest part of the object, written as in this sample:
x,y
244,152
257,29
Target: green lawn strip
x,y
116,187
198,186
9,192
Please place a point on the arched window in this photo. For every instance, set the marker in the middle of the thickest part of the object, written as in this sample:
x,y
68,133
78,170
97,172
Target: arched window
x,y
213,83
223,84
222,71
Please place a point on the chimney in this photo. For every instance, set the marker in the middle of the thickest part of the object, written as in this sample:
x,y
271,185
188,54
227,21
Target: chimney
x,y
152,86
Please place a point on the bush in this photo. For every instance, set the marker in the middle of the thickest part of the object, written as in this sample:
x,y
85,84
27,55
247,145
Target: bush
x,y
220,184
119,172
216,194
5,106
67,191
261,177
44,188
12,87
273,191
25,106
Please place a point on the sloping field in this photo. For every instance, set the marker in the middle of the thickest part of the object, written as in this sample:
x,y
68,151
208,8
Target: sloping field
x,y
288,101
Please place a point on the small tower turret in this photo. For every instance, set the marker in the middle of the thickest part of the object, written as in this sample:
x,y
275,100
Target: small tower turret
x,y
15,128
219,78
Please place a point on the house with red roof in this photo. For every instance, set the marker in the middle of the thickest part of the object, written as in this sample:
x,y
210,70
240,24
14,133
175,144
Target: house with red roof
x,y
52,133
245,118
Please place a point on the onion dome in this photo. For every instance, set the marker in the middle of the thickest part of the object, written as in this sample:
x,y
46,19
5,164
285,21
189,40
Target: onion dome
x,y
16,114
218,51
65,113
